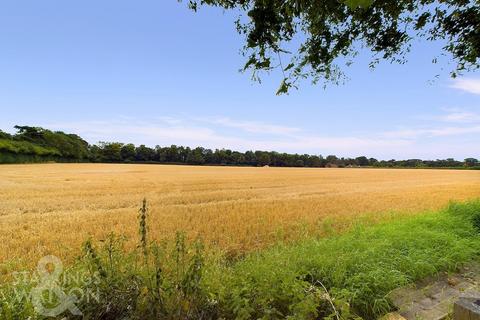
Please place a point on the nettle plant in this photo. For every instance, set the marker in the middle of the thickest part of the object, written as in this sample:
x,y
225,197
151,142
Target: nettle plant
x,y
153,281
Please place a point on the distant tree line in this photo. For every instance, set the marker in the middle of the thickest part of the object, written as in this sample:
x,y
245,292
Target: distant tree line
x,y
35,144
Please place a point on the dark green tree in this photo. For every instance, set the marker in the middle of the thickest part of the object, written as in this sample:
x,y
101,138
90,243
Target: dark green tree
x,y
172,154
362,161
128,152
250,158
332,159
196,156
263,158
471,162
110,151
70,146
31,134
144,153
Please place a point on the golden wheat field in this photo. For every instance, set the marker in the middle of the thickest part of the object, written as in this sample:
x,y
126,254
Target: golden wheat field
x,y
53,208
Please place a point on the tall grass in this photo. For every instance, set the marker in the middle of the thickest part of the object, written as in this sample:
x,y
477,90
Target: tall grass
x,y
359,268
345,276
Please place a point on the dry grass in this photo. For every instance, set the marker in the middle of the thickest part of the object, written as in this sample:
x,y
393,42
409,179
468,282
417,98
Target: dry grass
x,y
53,208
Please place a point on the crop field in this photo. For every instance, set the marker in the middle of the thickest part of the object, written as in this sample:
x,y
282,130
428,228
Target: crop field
x,y
53,208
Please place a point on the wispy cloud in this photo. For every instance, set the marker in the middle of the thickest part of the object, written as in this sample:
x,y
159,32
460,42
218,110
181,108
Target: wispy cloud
x,y
431,132
467,84
278,138
251,126
133,130
461,117
454,122
216,132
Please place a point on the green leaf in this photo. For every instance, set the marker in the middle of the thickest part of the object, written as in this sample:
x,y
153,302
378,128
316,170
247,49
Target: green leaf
x,y
284,86
354,4
290,66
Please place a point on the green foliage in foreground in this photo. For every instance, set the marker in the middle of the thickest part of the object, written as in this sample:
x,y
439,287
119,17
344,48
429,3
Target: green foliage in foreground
x,y
359,268
351,274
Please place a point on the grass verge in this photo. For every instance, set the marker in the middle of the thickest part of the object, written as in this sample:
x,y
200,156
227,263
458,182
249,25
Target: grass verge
x,y
346,276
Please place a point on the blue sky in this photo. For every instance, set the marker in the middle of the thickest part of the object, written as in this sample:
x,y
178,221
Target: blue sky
x,y
154,72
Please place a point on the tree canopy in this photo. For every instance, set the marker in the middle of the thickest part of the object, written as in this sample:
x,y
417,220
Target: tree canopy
x,y
315,39
68,146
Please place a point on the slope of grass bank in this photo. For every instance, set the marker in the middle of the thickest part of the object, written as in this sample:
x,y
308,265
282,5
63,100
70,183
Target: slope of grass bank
x,y
346,276
359,268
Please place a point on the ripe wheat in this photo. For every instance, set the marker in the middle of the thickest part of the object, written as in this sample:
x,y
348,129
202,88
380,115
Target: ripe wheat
x,y
53,208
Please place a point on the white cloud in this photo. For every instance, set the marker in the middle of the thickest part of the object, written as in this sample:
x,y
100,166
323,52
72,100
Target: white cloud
x,y
461,117
409,142
454,122
467,84
287,139
432,132
134,131
251,126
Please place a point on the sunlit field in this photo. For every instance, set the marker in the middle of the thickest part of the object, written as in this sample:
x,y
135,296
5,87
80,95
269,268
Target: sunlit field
x,y
53,208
